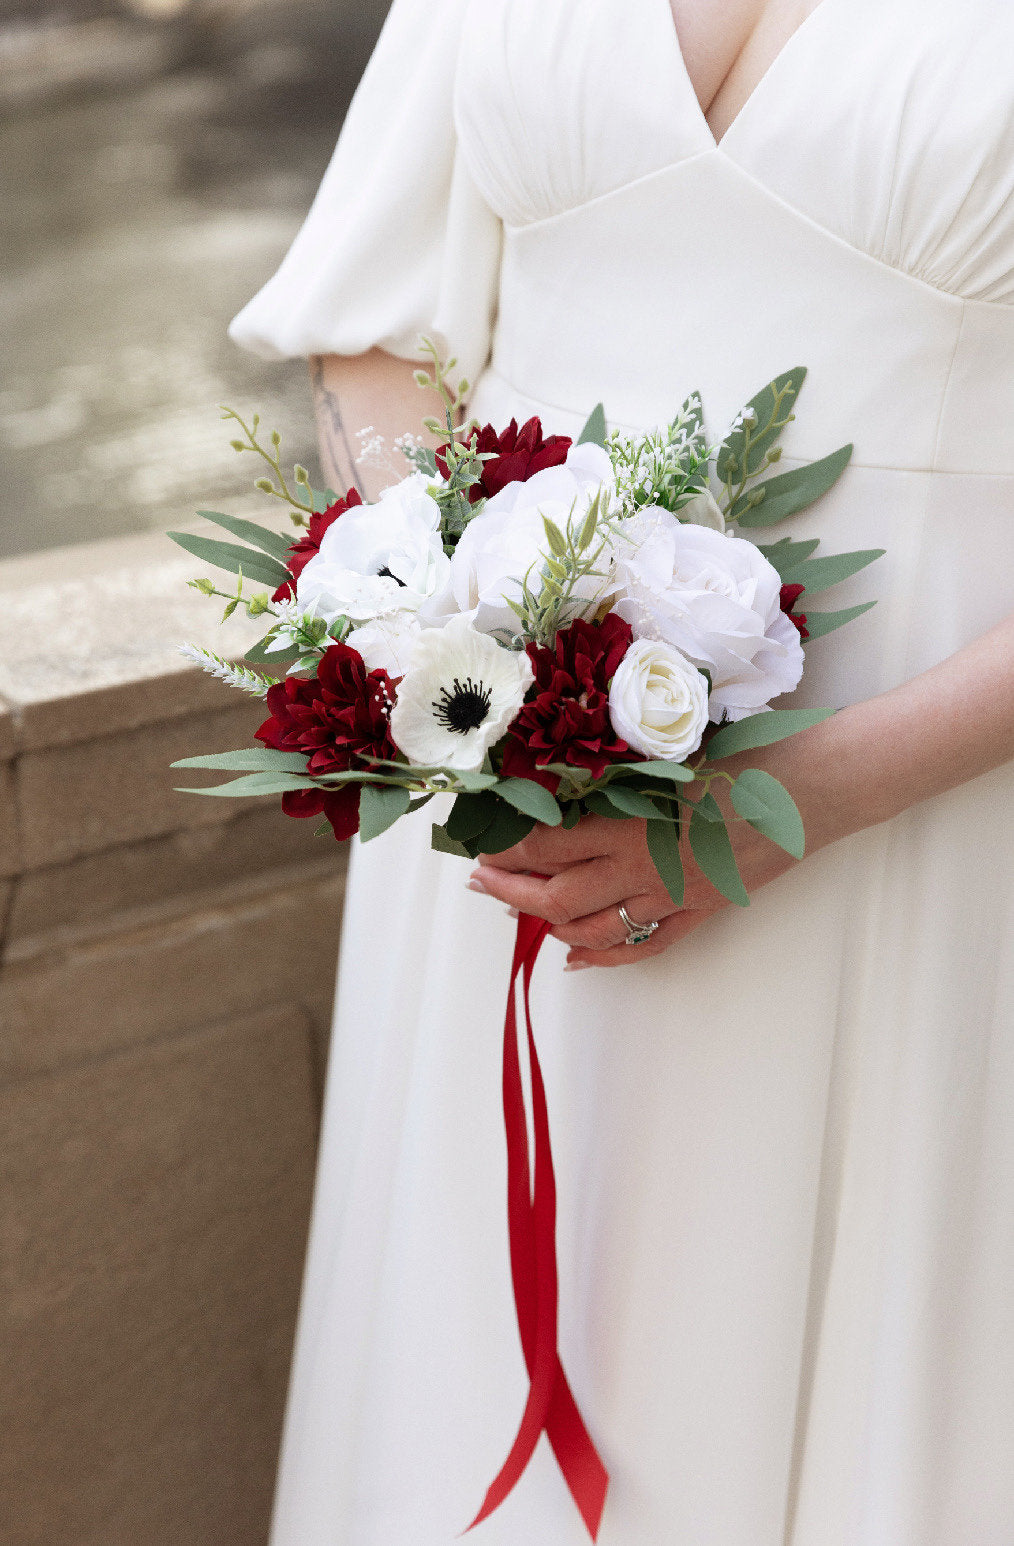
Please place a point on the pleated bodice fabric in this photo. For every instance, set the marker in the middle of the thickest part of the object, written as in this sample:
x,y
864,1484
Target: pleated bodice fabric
x,y
786,1149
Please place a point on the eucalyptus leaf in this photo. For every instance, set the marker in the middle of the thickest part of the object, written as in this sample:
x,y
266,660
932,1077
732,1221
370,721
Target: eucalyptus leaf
x,y
321,500
268,541
817,574
791,491
417,804
664,848
763,730
571,815
255,784
509,826
767,805
633,803
736,459
441,843
598,802
712,850
228,555
670,772
531,799
595,427
379,808
786,554
820,623
470,815
249,759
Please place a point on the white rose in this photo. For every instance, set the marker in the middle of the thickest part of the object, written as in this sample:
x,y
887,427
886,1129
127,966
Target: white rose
x,y
380,558
658,701
716,598
508,539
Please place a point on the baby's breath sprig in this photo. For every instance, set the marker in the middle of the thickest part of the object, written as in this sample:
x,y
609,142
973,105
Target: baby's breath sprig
x,y
665,466
302,509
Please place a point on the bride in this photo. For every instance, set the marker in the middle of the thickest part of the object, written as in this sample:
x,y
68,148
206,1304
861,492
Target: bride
x,y
784,1135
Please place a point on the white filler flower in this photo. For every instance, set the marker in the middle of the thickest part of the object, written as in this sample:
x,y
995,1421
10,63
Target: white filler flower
x,y
378,559
716,598
658,701
508,539
458,697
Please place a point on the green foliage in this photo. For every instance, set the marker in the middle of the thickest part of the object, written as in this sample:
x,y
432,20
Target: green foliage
x,y
531,799
664,848
442,843
249,759
790,492
712,850
379,808
817,574
599,804
595,428
236,559
784,555
820,623
260,656
267,541
632,803
748,447
762,730
667,772
767,805
665,466
254,784
470,815
509,826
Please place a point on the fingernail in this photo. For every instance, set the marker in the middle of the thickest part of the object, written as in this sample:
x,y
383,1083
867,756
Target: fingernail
x,y
577,966
477,885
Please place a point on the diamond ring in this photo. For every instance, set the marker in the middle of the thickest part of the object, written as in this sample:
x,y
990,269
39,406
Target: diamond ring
x,y
637,933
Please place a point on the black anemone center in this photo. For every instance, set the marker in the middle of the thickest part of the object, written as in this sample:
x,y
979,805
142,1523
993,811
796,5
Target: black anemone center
x,y
464,706
385,574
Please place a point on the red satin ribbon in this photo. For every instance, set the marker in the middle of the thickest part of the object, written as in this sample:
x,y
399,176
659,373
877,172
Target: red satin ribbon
x,y
532,1220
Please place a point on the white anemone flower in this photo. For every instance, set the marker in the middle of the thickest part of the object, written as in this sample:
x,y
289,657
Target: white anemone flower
x,y
459,695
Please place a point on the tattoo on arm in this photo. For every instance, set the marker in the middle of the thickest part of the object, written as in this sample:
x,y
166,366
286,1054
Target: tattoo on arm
x,y
337,460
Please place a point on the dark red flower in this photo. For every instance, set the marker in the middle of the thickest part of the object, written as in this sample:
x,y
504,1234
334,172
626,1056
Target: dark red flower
x,y
568,719
788,597
518,454
338,719
308,545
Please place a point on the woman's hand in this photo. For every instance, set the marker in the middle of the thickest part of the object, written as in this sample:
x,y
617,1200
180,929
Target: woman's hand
x,y
864,765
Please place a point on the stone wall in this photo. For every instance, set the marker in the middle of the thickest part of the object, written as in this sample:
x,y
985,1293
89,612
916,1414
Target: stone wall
x,y
165,986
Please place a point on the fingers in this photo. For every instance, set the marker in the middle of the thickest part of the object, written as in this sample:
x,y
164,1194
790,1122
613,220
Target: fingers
x,y
548,850
669,932
572,892
605,929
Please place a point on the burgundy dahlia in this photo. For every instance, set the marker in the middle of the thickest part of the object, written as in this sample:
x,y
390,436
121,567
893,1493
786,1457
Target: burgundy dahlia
x,y
338,719
517,455
788,597
308,545
568,718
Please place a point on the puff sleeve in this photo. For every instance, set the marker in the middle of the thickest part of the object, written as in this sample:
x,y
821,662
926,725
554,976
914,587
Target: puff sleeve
x,y
399,241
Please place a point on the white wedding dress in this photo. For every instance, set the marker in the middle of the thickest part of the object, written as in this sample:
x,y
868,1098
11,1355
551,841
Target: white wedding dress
x,y
785,1149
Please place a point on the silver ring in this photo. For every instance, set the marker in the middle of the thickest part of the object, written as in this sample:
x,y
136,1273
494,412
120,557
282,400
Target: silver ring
x,y
637,933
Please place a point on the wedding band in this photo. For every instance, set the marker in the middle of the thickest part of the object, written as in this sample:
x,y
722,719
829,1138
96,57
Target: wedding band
x,y
637,933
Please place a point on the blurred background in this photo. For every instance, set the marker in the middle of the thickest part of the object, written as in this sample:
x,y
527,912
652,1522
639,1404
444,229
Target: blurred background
x,y
166,962
156,158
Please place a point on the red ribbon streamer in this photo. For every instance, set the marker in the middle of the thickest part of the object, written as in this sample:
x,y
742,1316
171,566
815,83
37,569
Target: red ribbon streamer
x,y
532,1222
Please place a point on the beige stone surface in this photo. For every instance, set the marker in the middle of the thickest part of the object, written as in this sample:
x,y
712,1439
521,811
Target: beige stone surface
x,y
91,795
245,948
154,1210
61,905
7,742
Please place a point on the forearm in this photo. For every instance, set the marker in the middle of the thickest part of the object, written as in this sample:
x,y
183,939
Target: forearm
x,y
352,393
877,758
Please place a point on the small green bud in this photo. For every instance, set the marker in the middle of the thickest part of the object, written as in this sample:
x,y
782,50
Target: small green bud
x,y
237,445
434,426
301,475
204,585
422,378
775,454
463,386
256,420
230,609
555,537
265,485
258,604
276,438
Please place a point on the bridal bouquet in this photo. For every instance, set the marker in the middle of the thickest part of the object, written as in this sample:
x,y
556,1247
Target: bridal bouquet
x,y
539,627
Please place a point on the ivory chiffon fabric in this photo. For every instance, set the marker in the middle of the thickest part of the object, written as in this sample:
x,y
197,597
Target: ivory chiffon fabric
x,y
786,1148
